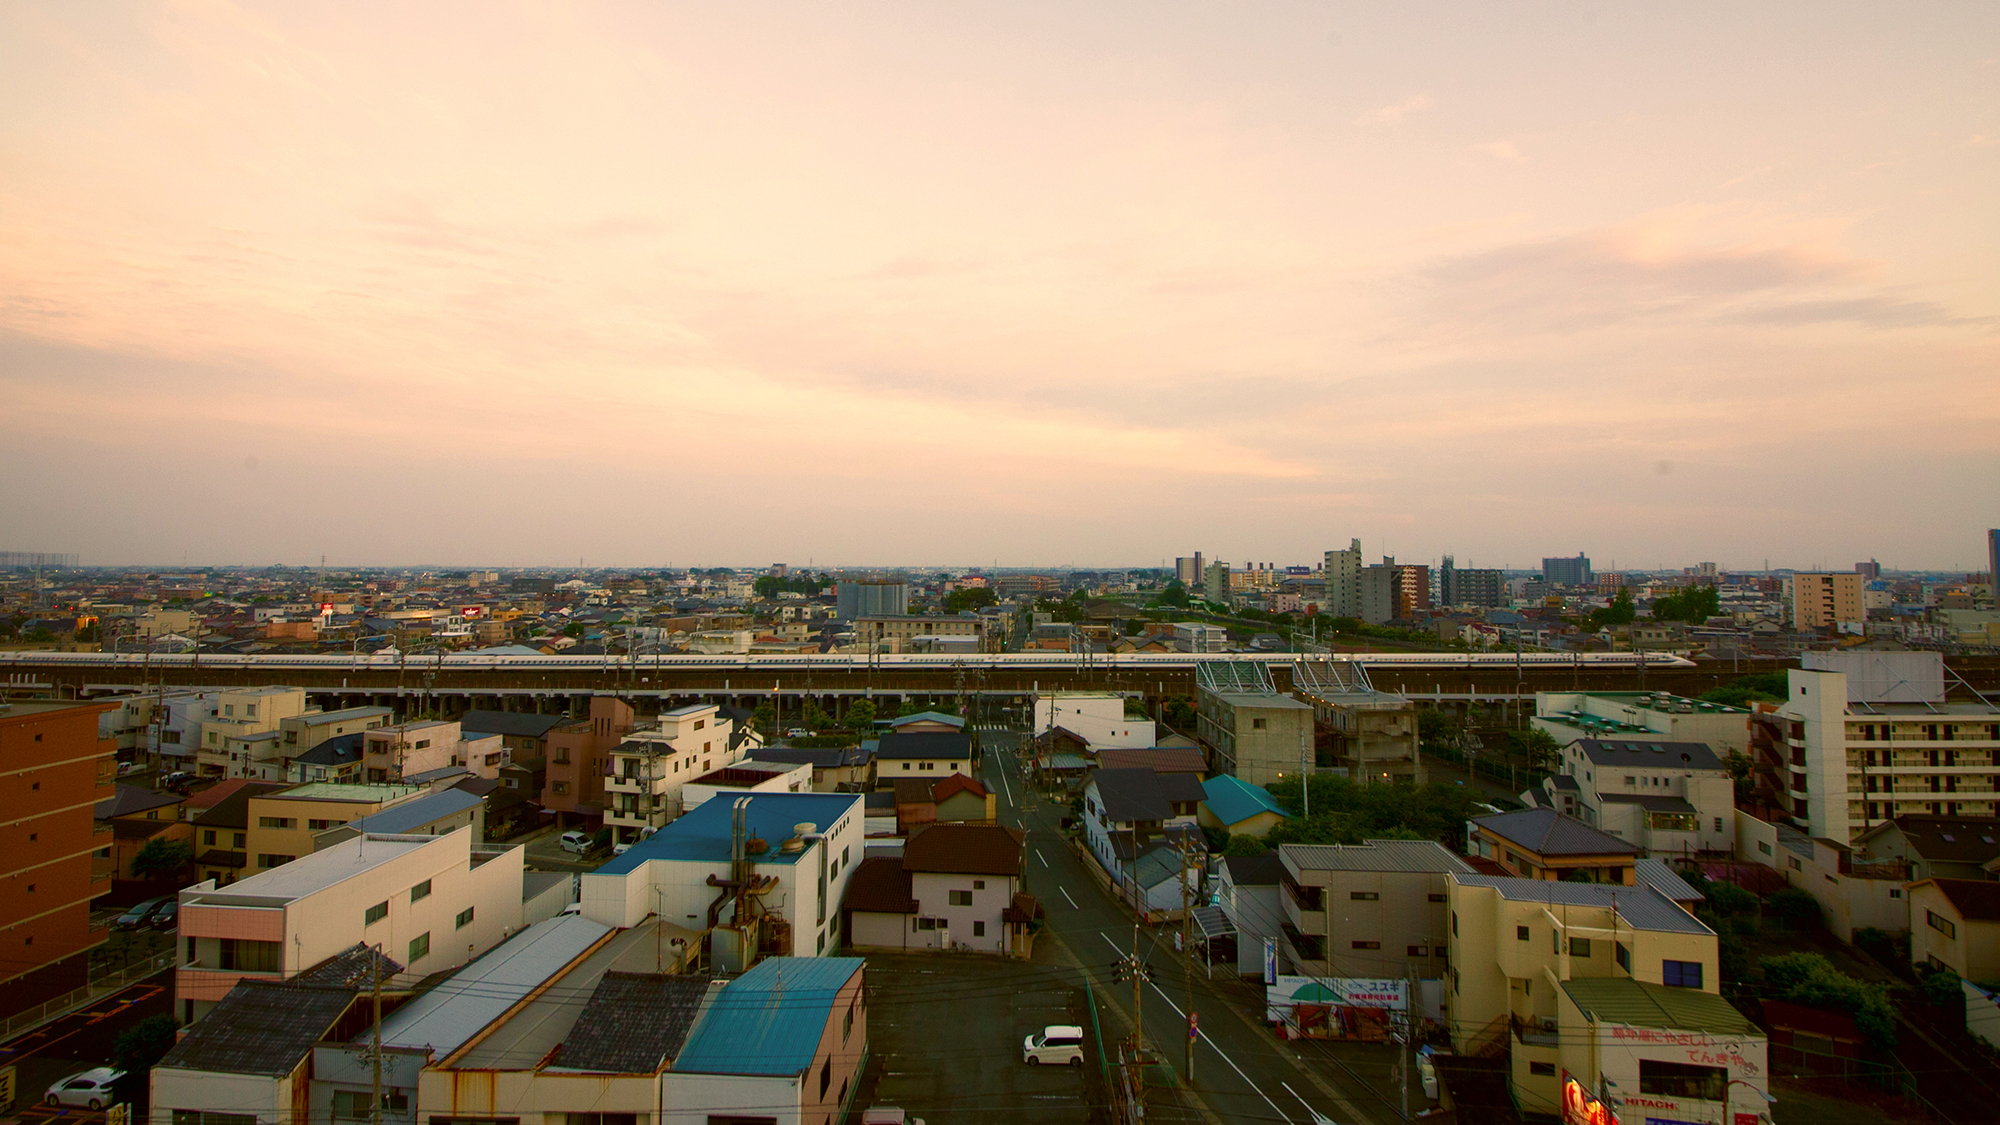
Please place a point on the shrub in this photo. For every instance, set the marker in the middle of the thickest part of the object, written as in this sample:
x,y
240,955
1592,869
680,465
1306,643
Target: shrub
x,y
1811,980
1796,908
1730,899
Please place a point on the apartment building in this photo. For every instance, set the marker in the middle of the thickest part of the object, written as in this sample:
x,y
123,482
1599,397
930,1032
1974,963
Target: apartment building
x,y
1343,581
391,753
1515,944
280,825
1248,728
1864,739
1664,797
1373,734
1475,588
1570,715
240,732
1375,910
897,632
1573,571
300,733
646,769
1391,592
1098,716
54,771
1826,600
429,902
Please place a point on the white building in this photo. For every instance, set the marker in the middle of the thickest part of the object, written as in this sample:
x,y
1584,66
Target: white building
x,y
429,902
642,791
1569,715
747,776
1098,717
1661,797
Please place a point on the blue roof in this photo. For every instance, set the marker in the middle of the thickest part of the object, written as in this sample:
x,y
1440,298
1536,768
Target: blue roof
x,y
768,1021
1234,800
415,814
703,834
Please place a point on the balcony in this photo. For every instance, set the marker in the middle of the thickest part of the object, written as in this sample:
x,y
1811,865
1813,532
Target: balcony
x,y
620,784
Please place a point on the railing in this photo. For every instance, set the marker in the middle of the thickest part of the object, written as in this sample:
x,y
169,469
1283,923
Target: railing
x,y
103,984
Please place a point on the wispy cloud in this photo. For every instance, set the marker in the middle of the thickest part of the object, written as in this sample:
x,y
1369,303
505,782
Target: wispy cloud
x,y
1393,114
1500,150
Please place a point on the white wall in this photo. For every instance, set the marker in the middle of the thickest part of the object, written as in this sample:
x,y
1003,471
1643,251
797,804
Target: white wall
x,y
689,1099
1099,718
932,892
269,1098
797,780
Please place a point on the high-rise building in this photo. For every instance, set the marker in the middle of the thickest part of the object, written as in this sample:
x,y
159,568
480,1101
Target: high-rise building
x,y
1993,559
1823,601
871,599
1391,591
1215,583
1343,582
1869,571
53,771
1187,572
1470,587
1567,571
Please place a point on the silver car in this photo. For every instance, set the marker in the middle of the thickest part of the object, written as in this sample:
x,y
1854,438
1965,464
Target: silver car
x,y
90,1089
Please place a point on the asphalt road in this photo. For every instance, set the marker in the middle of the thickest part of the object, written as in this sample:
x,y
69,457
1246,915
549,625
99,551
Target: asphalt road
x,y
1242,1071
79,1041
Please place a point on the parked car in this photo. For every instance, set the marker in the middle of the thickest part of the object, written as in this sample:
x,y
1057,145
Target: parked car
x,y
177,780
1057,1043
578,842
127,768
887,1115
90,1089
798,732
139,915
619,849
166,916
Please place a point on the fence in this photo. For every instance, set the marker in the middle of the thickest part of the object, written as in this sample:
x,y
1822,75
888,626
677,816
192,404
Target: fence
x,y
102,984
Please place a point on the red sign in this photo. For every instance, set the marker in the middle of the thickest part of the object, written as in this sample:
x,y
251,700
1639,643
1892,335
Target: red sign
x,y
472,611
1579,1108
1746,1119
1194,1024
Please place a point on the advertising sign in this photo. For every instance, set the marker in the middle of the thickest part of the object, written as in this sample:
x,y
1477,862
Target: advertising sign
x,y
1338,992
1270,961
1579,1108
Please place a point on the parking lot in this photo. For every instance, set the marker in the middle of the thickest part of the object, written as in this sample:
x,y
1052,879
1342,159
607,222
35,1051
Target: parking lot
x,y
946,1031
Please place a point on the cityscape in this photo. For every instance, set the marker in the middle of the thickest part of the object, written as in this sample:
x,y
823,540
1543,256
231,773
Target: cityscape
x,y
641,563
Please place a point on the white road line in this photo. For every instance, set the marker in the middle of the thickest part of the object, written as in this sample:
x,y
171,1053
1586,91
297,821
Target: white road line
x,y
1039,859
1004,785
1227,1059
1295,1093
1072,902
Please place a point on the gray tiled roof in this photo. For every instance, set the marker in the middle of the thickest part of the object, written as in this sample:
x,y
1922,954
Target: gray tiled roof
x,y
1547,832
1642,906
355,967
1374,855
1648,753
260,1027
513,724
634,1023
925,744
1656,874
1132,794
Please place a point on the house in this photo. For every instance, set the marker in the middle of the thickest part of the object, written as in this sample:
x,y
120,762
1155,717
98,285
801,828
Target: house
x,y
1853,892
961,799
956,886
927,722
1098,717
136,817
301,733
1238,807
1933,847
932,752
1159,759
430,902
576,753
1664,797
1373,910
1955,924
221,818
335,759
1514,944
834,768
1671,1054
1372,735
441,812
1137,824
283,823
392,753
746,776
1541,843
1247,892
790,854
784,1042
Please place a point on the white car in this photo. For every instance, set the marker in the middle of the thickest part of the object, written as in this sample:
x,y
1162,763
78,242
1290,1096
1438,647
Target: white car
x,y
91,1089
1057,1043
578,842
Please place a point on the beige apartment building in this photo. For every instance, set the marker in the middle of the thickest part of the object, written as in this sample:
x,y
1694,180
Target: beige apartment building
x,y
390,754
642,790
1248,728
281,825
239,734
1377,909
1824,601
895,632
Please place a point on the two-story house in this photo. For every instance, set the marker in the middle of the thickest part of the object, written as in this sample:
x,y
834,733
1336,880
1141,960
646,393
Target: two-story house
x,y
1664,797
955,887
1140,826
929,754
1541,843
1373,910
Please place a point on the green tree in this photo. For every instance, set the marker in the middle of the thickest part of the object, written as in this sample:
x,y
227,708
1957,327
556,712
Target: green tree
x,y
765,717
1811,980
861,715
573,629
1766,687
1693,605
969,597
1619,612
814,718
1244,844
161,859
1175,596
912,706
1179,713
140,1047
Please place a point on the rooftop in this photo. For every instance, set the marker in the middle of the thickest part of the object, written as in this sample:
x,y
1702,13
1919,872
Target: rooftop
x,y
1656,874
635,1023
703,834
964,849
926,744
310,874
770,1020
1937,838
347,791
1132,794
1547,832
1649,753
1631,1003
1232,799
1976,900
415,814
260,1027
128,800
1642,906
511,723
465,1003
1374,855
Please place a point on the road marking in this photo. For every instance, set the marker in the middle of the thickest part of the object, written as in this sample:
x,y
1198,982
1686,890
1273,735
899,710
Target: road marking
x,y
1227,1059
1039,859
1003,784
1072,902
1295,1093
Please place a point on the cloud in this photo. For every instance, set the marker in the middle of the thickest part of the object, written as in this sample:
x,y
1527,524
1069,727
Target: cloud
x,y
1393,114
1870,312
1501,150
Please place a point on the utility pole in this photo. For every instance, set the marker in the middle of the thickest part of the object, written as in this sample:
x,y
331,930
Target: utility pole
x,y
375,1051
1187,952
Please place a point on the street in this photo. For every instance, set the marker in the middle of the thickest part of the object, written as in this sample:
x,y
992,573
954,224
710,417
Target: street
x,y
1242,1071
79,1041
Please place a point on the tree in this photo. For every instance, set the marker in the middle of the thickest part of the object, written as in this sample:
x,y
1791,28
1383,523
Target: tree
x,y
1619,612
1175,595
1693,605
1765,687
161,859
969,597
861,715
814,718
140,1047
1811,980
1179,713
1244,844
765,717
912,707
573,629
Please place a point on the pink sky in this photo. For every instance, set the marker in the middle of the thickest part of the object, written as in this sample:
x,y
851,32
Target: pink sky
x,y
1032,284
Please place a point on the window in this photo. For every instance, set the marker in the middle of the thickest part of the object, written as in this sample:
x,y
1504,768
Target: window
x,y
977,884
1259,724
208,837
355,1106
1520,933
423,744
421,891
464,918
1454,923
1365,896
923,923
322,825
1437,898
276,822
1579,947
825,1077
1364,945
1542,1069
1763,847
243,955
269,860
961,898
375,914
1940,923
1680,974
1621,955
979,929
1718,824
847,1021
1683,1080
1417,951
241,839
420,946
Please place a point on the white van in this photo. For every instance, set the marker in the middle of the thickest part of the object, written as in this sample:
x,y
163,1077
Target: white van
x,y
1057,1043
578,842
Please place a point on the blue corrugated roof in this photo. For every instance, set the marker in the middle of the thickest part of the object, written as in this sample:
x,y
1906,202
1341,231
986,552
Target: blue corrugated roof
x,y
769,1020
1233,800
703,834
414,814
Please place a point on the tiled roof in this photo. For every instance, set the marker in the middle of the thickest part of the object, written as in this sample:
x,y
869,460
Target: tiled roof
x,y
880,886
1160,759
1642,906
1656,874
927,744
415,814
1374,855
957,783
233,811
1547,832
260,1027
1131,794
964,849
912,790
634,1023
129,799
1946,839
1976,900
356,967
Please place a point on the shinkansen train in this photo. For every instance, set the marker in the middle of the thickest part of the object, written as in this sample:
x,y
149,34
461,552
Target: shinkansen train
x,y
491,662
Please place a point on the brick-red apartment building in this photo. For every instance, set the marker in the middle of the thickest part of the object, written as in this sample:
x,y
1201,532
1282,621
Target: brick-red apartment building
x,y
53,771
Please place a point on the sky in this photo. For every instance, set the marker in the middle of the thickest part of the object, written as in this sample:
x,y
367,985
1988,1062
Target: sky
x,y
1026,284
